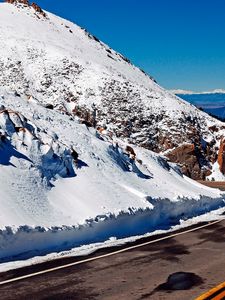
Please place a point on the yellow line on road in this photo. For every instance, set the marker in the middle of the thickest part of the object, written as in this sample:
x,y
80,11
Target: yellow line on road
x,y
215,290
221,296
108,254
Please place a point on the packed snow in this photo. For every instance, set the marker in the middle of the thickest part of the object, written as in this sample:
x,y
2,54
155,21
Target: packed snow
x,y
216,174
111,242
50,199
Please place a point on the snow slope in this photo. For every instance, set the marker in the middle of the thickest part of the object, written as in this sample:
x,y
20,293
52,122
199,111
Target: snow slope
x,y
50,202
105,194
54,61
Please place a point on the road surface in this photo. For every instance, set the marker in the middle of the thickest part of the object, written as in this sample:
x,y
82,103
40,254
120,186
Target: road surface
x,y
194,261
214,184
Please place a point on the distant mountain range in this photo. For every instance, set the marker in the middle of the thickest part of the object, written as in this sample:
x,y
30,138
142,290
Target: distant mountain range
x,y
186,92
212,103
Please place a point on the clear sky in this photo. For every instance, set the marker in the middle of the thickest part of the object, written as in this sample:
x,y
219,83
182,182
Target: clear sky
x,y
179,42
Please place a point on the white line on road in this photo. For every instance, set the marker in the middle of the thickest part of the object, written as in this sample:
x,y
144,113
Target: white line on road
x,y
107,255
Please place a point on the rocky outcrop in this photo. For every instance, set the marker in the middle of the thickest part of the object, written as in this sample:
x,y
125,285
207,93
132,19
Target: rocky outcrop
x,y
38,9
25,2
160,133
186,156
192,160
221,156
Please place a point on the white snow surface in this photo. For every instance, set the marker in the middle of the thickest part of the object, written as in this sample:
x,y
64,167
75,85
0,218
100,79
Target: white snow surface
x,y
53,61
216,174
48,202
111,242
53,57
105,194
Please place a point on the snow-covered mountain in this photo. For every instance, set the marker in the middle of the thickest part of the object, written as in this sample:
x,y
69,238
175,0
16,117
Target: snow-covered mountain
x,y
181,92
53,61
65,183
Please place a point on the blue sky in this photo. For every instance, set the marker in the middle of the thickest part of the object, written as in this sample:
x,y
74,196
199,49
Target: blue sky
x,y
180,42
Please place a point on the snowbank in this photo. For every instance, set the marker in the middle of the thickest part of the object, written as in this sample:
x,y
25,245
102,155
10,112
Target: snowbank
x,y
25,242
19,262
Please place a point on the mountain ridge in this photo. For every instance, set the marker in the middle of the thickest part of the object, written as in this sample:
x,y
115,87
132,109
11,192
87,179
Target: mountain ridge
x,y
188,92
57,63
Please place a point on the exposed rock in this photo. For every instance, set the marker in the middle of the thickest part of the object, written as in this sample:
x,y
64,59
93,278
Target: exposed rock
x,y
25,2
214,128
49,106
86,116
130,151
10,1
186,156
38,9
221,156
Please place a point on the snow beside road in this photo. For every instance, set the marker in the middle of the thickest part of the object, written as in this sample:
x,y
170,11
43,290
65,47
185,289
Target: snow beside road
x,y
111,242
106,194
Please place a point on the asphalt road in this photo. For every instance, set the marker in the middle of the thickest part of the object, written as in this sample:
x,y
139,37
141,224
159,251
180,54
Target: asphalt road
x,y
194,261
214,184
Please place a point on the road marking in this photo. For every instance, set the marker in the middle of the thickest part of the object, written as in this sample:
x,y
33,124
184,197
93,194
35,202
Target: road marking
x,y
107,255
216,293
221,296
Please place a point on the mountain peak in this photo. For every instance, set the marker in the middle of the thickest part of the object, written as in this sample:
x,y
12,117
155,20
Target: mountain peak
x,y
26,3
